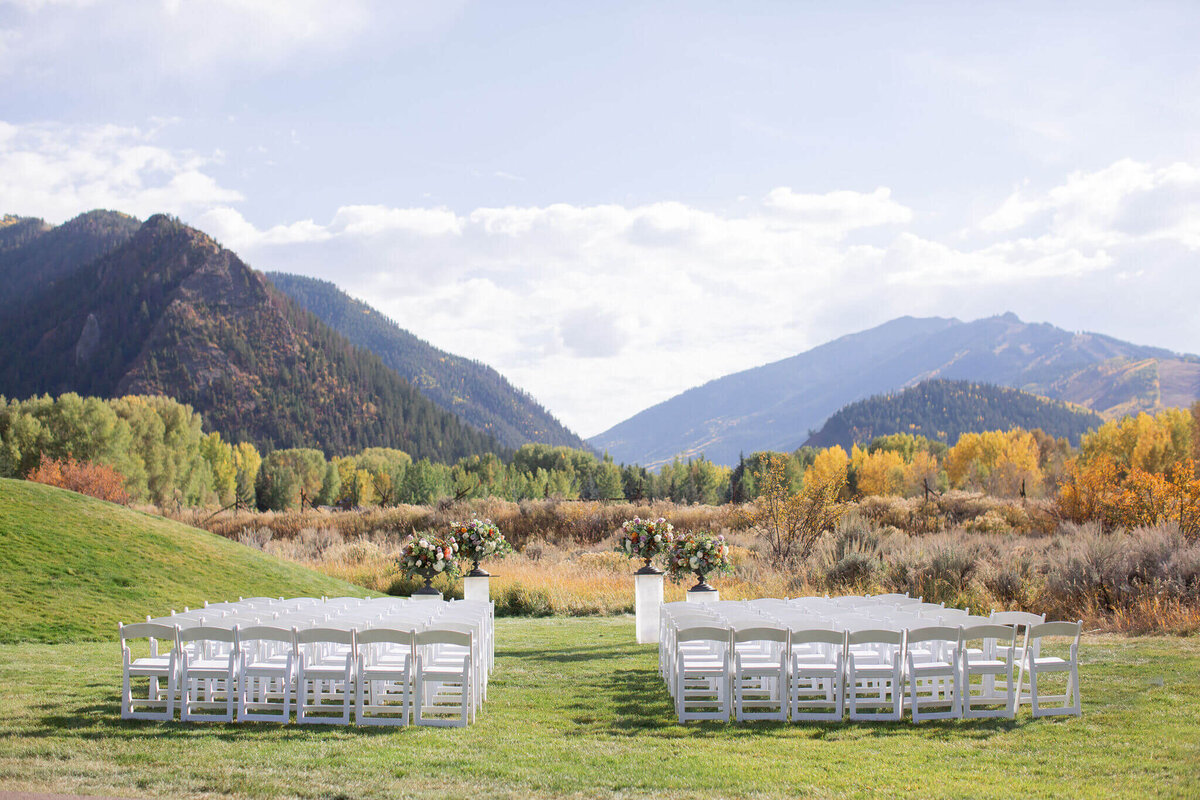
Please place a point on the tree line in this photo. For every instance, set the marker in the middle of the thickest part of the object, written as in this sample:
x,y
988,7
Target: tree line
x,y
160,449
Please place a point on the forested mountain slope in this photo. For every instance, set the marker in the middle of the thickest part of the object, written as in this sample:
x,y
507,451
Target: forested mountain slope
x,y
35,256
943,410
478,394
172,312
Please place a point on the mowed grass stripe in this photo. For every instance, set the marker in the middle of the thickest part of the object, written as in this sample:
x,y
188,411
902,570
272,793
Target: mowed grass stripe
x,y
577,710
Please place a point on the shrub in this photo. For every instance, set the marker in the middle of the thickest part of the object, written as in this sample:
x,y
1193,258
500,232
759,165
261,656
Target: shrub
x,y
95,480
853,571
990,522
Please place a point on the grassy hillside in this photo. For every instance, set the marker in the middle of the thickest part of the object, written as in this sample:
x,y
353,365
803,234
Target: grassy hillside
x,y
72,567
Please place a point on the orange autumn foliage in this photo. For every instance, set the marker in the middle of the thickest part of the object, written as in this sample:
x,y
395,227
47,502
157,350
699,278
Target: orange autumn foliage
x,y
1119,497
96,480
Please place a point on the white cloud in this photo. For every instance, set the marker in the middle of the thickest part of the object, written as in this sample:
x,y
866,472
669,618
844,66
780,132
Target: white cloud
x,y
57,171
601,310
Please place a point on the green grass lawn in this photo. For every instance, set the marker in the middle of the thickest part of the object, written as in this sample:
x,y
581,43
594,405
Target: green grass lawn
x,y
577,710
72,567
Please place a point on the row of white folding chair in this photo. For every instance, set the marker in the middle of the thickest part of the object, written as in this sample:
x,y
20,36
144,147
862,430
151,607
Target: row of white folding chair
x,y
317,667
939,668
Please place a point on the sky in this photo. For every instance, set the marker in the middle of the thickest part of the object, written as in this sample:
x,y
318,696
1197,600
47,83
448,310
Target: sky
x,y
612,202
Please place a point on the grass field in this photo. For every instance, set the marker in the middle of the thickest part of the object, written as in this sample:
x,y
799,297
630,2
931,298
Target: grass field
x,y
577,710
72,567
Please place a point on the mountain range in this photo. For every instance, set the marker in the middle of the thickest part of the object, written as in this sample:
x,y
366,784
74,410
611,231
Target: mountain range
x,y
106,304
779,405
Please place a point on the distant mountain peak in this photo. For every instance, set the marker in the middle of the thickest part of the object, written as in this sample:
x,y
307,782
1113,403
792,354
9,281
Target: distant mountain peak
x,y
773,406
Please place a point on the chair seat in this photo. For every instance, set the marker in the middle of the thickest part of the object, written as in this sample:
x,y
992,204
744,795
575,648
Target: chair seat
x,y
932,666
265,668
384,672
457,674
152,661
873,669
816,669
324,671
1050,662
207,666
984,663
762,670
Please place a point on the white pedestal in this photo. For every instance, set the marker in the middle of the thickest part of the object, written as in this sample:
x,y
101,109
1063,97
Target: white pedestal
x,y
477,589
703,597
648,597
434,597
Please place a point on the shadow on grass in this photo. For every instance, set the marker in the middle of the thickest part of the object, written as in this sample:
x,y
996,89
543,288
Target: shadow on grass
x,y
634,701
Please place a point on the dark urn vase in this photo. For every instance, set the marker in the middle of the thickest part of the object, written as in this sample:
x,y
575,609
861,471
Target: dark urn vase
x,y
649,569
476,572
702,585
428,589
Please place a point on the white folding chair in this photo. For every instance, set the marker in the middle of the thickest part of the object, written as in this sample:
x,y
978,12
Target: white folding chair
x,y
268,674
1022,621
1037,666
442,678
935,683
208,673
702,673
874,675
156,667
326,663
760,669
385,674
987,664
817,683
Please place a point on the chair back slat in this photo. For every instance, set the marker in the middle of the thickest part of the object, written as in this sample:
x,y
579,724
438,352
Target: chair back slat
x,y
386,635
209,633
147,630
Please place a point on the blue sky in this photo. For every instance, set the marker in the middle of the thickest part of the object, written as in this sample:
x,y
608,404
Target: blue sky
x,y
612,202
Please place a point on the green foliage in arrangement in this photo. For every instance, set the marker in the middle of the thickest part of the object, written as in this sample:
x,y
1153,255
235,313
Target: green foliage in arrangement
x,y
576,709
72,567
943,410
478,394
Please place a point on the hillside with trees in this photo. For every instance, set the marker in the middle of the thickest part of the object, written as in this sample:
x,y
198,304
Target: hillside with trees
x,y
478,394
944,410
35,256
170,312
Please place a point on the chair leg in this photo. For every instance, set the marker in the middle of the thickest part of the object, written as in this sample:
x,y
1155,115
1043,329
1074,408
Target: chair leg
x,y
126,697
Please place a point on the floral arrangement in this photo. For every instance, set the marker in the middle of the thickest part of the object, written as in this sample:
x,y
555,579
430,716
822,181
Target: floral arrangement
x,y
479,539
643,538
698,553
429,556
